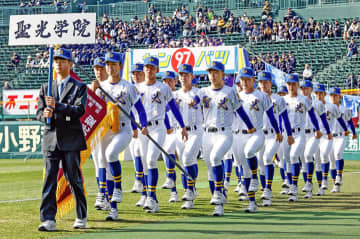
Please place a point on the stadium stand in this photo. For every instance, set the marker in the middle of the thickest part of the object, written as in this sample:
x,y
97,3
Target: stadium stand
x,y
327,57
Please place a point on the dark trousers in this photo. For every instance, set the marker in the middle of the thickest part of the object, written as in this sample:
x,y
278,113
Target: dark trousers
x,y
71,167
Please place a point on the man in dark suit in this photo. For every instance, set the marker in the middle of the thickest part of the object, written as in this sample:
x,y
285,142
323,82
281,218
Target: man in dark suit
x,y
63,139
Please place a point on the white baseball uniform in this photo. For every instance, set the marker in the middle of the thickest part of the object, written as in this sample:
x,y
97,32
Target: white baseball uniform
x,y
271,146
154,97
218,107
339,138
114,143
192,116
297,108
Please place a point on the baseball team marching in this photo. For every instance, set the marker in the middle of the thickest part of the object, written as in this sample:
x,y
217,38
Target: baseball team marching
x,y
241,125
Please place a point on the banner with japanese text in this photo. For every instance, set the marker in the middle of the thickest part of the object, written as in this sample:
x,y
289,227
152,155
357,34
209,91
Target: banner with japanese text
x,y
199,57
45,29
20,102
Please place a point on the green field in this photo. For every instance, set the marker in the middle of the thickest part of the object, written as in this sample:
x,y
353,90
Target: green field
x,y
331,216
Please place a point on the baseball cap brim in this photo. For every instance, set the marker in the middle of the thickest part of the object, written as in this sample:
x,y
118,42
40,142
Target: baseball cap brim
x,y
214,68
62,57
149,63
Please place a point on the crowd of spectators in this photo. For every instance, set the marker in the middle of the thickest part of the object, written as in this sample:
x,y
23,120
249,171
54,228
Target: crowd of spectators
x,y
36,64
284,62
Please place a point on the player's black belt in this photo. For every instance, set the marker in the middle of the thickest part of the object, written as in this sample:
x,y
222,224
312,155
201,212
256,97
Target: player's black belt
x,y
122,124
308,131
236,131
214,129
244,131
339,134
191,128
153,123
295,130
271,131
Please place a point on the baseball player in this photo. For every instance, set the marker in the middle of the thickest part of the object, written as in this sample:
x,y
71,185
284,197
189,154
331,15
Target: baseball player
x,y
332,113
103,174
298,107
138,76
188,101
282,91
271,146
119,137
256,104
219,103
156,96
336,158
312,143
171,142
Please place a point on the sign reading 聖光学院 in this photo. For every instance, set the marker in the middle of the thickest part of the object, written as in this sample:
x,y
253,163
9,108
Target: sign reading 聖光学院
x,y
45,29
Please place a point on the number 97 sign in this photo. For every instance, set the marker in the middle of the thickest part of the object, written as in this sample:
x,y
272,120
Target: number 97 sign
x,y
182,56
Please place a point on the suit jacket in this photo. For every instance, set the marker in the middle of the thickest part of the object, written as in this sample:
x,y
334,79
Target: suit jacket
x,y
65,130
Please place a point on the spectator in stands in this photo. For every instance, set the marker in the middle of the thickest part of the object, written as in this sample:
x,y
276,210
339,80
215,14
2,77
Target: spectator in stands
x,y
354,29
317,32
37,60
213,24
14,63
83,7
64,7
44,63
307,73
351,82
324,30
226,14
6,86
292,59
267,10
337,29
152,10
346,29
352,48
187,29
30,63
22,7
199,11
57,5
38,3
289,15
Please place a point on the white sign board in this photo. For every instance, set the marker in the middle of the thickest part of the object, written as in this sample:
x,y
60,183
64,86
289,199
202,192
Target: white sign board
x,y
20,102
199,57
46,29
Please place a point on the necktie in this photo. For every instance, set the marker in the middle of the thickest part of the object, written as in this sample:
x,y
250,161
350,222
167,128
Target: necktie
x,y
61,89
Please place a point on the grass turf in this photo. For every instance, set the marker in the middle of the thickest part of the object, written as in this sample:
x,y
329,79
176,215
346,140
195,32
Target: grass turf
x,y
331,216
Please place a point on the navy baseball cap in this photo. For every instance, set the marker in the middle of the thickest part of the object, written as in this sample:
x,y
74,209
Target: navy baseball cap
x,y
195,81
306,83
292,78
99,61
335,90
246,72
319,88
169,75
264,75
138,67
113,57
151,60
63,53
216,65
185,68
283,89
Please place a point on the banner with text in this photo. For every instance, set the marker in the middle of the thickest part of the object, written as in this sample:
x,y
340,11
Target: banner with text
x,y
20,102
199,57
45,29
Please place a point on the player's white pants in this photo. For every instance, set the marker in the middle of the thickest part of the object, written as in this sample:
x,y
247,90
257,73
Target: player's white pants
x,y
280,152
114,143
171,145
150,151
337,151
325,149
215,146
267,152
136,150
100,162
189,150
311,147
295,151
246,146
